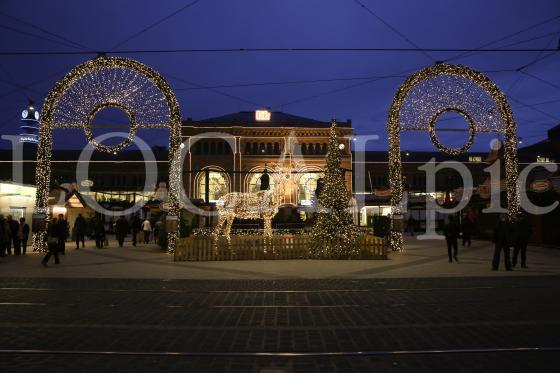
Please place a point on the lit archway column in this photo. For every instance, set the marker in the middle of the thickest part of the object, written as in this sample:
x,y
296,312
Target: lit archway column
x,y
424,96
126,84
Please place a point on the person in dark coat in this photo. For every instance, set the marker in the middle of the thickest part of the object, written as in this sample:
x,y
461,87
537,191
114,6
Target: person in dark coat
x,y
23,235
53,242
466,230
451,233
14,241
411,225
523,232
136,227
99,232
121,230
80,230
2,243
62,227
503,236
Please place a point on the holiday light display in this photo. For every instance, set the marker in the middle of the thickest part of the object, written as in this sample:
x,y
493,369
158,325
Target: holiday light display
x,y
263,204
92,86
334,234
427,94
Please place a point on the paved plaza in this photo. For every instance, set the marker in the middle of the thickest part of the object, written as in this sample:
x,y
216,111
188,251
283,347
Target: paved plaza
x,y
134,309
419,259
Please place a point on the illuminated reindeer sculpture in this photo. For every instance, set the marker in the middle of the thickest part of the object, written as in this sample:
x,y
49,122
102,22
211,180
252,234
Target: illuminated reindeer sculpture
x,y
263,204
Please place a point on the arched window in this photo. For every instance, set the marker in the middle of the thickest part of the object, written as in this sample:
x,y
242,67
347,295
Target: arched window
x,y
269,148
324,148
254,181
205,147
248,148
220,147
304,148
276,148
306,187
261,148
218,185
255,147
213,147
317,148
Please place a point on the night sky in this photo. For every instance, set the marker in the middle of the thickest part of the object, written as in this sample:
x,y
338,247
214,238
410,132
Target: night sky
x,y
360,85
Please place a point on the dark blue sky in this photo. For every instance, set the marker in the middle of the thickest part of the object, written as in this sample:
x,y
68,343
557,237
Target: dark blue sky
x,y
100,25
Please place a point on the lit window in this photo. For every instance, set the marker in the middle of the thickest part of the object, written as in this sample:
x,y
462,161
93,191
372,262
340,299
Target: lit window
x,y
475,158
255,182
218,186
306,186
543,159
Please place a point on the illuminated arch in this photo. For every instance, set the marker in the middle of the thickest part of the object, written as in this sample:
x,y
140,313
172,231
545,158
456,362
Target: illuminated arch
x,y
142,93
218,179
434,90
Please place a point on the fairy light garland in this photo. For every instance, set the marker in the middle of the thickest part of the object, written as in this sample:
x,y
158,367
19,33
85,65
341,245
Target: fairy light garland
x,y
334,233
142,93
427,94
263,204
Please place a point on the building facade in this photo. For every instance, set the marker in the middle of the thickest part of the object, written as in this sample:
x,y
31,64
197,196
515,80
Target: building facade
x,y
230,153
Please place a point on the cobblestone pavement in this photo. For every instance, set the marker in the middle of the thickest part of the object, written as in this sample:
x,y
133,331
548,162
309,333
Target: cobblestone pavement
x,y
426,258
327,325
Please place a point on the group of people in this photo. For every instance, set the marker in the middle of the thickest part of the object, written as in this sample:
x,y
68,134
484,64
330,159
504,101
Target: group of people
x,y
13,235
508,233
121,227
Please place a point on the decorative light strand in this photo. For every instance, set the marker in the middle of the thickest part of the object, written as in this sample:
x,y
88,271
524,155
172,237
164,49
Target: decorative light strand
x,y
428,93
74,100
334,233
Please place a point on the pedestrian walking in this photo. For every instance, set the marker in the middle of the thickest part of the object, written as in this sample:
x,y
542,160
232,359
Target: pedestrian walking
x,y
14,241
503,235
80,230
62,227
136,227
6,236
523,232
99,232
451,233
466,231
53,242
121,230
23,235
410,225
2,243
147,229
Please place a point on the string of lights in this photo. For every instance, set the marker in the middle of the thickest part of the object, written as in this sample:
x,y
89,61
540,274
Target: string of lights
x,y
422,98
89,88
334,233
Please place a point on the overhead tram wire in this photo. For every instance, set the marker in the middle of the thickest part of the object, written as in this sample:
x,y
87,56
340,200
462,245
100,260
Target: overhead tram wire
x,y
135,35
37,36
276,50
403,36
42,29
508,36
216,91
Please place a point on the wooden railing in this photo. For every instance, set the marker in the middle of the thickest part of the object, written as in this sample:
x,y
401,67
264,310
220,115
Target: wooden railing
x,y
257,247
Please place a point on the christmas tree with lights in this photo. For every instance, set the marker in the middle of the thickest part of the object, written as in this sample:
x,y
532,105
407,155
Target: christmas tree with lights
x,y
334,234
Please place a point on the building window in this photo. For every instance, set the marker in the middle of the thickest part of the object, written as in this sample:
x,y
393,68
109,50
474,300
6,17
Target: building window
x,y
307,185
220,147
304,148
541,159
276,148
269,148
254,182
324,149
475,158
218,186
248,148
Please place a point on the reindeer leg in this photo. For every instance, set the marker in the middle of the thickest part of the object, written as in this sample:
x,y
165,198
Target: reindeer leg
x,y
228,228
